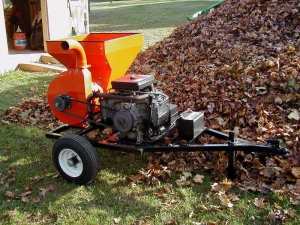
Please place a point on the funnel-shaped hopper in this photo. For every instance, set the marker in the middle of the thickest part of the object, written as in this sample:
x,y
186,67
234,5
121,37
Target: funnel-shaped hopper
x,y
109,54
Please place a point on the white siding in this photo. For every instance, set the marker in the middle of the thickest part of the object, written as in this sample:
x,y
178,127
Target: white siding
x,y
3,43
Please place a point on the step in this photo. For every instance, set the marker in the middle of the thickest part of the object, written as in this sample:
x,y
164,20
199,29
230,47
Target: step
x,y
47,59
39,67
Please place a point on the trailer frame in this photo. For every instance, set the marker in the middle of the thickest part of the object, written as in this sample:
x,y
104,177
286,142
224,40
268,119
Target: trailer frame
x,y
271,147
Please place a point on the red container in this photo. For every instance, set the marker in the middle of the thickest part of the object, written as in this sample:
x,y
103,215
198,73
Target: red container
x,y
20,41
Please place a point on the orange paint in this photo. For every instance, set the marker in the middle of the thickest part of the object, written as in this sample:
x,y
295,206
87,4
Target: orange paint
x,y
76,83
109,56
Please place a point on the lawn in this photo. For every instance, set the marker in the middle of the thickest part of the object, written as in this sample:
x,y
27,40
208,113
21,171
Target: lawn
x,y
155,19
32,192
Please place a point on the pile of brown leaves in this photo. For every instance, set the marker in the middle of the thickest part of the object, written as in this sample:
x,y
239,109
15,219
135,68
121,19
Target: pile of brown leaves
x,y
240,64
30,111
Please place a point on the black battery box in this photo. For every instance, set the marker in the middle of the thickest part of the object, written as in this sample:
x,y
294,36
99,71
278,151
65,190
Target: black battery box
x,y
134,82
190,124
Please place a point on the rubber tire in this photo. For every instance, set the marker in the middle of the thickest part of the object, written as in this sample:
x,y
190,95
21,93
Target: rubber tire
x,y
86,152
36,40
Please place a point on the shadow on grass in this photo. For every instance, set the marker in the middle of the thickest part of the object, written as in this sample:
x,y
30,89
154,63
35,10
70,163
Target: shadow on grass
x,y
26,165
28,153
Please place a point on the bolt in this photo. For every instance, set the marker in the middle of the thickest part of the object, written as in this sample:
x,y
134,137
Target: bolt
x,y
70,162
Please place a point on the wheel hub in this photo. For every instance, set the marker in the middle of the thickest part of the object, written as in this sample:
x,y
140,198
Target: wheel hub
x,y
70,162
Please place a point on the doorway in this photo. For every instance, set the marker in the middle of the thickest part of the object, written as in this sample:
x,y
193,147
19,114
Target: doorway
x,y
19,16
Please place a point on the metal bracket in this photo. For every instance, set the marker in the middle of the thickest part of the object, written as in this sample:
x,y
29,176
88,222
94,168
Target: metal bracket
x,y
273,142
231,156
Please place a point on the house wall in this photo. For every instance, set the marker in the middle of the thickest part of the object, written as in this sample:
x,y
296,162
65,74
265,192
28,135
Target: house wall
x,y
63,15
80,16
3,43
58,20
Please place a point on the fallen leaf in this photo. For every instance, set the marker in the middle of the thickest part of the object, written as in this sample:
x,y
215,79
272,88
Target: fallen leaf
x,y
25,194
276,206
136,178
224,199
295,198
9,194
107,131
198,179
260,203
92,134
56,175
117,220
25,200
36,199
4,159
12,213
51,126
272,217
50,187
294,115
170,202
261,89
34,89
277,216
43,191
292,48
296,172
222,186
233,197
131,157
132,185
267,172
182,182
186,174
203,207
10,180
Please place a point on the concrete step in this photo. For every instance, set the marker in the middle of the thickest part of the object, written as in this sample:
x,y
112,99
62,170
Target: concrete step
x,y
40,67
46,63
47,59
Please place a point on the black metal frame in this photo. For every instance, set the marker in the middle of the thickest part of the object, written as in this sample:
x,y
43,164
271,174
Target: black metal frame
x,y
233,145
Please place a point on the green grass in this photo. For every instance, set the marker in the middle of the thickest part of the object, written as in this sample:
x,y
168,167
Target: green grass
x,y
26,164
155,19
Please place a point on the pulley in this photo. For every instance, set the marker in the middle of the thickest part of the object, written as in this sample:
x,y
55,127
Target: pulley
x,y
125,120
62,102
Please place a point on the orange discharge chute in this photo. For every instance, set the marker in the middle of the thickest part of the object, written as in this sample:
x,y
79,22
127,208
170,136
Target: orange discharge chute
x,y
97,58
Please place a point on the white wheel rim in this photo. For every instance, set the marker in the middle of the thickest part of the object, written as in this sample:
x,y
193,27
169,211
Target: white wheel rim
x,y
66,160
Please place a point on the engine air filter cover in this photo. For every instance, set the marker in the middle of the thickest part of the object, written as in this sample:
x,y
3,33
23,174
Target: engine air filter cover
x,y
134,82
190,124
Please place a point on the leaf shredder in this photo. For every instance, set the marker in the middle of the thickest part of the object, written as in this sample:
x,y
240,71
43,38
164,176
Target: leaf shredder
x,y
95,93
